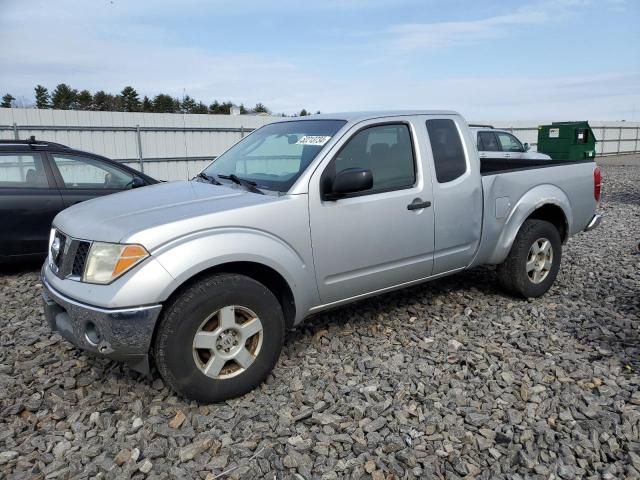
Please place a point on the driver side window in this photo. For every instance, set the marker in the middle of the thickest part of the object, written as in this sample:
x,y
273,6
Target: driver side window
x,y
509,143
81,172
386,150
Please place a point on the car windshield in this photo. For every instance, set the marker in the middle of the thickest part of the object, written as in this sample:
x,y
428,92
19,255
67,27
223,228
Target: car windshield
x,y
274,156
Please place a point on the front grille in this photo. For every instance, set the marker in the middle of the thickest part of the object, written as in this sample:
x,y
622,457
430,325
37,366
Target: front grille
x,y
70,262
80,258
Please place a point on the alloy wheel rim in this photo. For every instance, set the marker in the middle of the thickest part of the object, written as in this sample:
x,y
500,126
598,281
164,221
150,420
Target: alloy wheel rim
x,y
227,342
539,260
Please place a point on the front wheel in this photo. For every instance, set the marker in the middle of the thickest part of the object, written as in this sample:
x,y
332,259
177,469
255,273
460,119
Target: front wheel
x,y
220,338
534,260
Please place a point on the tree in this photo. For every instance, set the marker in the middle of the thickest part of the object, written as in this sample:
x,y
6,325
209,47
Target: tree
x,y
188,104
214,107
147,106
7,100
130,100
304,113
243,110
105,102
64,98
85,100
42,97
200,108
260,108
163,103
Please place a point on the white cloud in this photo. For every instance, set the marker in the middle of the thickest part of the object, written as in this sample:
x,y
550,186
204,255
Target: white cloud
x,y
445,34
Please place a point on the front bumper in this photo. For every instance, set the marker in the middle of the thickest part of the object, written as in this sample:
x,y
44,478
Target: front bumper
x,y
120,334
593,223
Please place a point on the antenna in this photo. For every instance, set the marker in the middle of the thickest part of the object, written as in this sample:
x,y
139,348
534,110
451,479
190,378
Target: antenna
x,y
184,134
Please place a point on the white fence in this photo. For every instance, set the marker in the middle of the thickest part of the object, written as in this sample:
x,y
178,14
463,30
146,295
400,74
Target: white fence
x,y
164,145
171,146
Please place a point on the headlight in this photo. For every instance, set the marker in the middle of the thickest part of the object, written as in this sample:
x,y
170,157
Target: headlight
x,y
107,261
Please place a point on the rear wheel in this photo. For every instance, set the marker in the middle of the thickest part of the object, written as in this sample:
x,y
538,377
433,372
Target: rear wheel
x,y
534,260
220,338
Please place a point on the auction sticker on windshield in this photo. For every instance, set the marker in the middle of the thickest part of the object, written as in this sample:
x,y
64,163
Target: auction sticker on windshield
x,y
313,140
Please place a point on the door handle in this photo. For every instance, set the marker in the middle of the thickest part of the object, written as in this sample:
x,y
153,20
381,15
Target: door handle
x,y
507,155
418,204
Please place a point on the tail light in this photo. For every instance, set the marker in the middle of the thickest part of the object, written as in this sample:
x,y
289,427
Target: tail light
x,y
597,183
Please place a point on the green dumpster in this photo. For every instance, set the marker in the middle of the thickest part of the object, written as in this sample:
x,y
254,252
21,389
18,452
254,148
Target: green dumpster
x,y
567,140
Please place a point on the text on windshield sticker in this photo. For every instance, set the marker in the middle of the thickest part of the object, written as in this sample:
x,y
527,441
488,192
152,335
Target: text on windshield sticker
x,y
313,140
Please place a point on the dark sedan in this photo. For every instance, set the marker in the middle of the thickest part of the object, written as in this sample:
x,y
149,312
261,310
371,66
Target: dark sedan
x,y
38,179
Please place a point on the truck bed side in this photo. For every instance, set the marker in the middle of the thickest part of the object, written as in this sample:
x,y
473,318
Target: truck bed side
x,y
513,191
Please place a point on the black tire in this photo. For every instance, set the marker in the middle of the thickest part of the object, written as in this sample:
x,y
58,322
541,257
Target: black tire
x,y
182,319
512,273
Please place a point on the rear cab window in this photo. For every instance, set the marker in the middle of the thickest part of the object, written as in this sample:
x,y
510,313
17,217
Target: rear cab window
x,y
449,158
487,142
23,170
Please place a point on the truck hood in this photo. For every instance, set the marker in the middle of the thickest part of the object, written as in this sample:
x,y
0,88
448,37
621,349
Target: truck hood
x,y
117,217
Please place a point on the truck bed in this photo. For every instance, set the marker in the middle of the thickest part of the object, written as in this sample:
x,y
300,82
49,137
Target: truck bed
x,y
512,189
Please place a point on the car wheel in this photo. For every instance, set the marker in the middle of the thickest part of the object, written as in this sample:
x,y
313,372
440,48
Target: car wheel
x,y
219,338
534,260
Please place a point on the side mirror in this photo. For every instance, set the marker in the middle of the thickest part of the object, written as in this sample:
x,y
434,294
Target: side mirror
x,y
137,182
350,180
526,146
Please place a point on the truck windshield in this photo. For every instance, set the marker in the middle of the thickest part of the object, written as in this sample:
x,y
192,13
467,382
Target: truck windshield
x,y
274,156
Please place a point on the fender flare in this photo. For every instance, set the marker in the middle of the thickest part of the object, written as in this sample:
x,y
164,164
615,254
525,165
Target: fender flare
x,y
534,199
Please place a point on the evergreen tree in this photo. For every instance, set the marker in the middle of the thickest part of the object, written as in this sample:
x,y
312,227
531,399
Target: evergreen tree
x,y
7,100
64,97
101,101
105,102
200,108
42,97
188,104
85,100
243,110
147,106
260,108
304,113
163,104
214,107
130,100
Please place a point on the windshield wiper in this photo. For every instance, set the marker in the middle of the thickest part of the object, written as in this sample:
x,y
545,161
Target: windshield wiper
x,y
208,178
248,184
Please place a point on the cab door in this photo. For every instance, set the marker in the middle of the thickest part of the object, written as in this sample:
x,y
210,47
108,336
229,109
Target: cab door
x,y
488,146
457,192
378,238
29,199
510,145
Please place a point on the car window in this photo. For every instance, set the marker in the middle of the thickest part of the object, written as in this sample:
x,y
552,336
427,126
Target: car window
x,y
487,142
448,155
19,170
509,143
386,150
82,172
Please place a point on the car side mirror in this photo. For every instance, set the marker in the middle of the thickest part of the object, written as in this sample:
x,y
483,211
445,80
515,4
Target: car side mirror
x,y
350,180
526,146
137,182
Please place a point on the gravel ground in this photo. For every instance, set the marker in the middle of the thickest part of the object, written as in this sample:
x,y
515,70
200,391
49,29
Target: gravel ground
x,y
448,380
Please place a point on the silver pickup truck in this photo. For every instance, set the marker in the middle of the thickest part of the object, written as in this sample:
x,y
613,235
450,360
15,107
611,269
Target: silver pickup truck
x,y
203,277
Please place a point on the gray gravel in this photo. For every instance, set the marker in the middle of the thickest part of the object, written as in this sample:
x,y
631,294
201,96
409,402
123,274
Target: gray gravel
x,y
448,380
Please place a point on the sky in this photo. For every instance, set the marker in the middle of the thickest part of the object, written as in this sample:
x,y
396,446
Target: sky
x,y
489,59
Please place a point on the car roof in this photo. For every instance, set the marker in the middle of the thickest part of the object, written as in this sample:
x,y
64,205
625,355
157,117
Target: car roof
x,y
369,115
33,143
